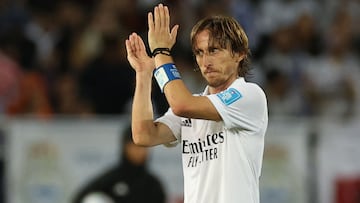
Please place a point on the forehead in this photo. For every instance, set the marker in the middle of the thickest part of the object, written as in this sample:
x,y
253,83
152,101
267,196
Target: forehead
x,y
202,38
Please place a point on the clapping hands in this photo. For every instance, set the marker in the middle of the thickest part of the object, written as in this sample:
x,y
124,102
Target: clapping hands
x,y
159,36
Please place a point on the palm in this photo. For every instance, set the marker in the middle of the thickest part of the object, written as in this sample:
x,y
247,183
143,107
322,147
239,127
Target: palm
x,y
159,34
136,54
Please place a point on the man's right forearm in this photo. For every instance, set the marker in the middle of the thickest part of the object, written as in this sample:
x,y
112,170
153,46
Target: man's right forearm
x,y
142,110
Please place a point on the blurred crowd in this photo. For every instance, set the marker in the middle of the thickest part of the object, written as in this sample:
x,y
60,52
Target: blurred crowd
x,y
67,57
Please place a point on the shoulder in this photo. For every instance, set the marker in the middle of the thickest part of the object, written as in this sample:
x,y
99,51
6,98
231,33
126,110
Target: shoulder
x,y
249,89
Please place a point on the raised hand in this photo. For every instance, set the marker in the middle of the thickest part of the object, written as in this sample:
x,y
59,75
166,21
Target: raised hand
x,y
136,54
159,35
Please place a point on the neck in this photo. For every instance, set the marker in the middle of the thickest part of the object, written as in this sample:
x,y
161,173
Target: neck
x,y
220,88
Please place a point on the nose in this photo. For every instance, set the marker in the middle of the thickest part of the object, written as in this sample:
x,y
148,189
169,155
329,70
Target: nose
x,y
204,60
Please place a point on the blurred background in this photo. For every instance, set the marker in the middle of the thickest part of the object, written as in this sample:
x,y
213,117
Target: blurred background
x,y
66,90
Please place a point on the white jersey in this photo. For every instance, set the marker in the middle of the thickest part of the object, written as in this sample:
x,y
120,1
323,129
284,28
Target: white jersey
x,y
222,160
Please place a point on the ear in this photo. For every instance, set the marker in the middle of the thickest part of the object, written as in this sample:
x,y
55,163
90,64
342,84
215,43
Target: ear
x,y
239,56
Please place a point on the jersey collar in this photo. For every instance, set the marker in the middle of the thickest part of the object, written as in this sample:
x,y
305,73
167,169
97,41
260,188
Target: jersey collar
x,y
206,91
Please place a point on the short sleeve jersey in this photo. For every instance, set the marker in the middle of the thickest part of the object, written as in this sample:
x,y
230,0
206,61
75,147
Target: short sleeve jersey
x,y
222,160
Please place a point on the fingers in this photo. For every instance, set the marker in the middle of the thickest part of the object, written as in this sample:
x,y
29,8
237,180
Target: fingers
x,y
141,44
162,13
160,19
129,47
159,34
135,42
131,44
166,17
174,32
151,22
135,45
157,18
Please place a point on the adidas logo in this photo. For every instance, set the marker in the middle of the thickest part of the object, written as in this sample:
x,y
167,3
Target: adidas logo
x,y
186,122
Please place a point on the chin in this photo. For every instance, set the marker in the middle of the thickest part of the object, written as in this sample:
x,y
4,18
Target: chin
x,y
214,83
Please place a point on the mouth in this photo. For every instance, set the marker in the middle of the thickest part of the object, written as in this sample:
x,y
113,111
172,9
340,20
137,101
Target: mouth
x,y
210,72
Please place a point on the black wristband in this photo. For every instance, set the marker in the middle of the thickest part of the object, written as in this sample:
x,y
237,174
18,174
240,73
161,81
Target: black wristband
x,y
165,51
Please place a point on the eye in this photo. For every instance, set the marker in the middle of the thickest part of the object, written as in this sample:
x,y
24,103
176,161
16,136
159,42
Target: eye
x,y
213,50
198,53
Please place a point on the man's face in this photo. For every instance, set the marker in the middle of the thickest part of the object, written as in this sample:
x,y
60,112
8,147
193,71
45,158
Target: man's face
x,y
218,65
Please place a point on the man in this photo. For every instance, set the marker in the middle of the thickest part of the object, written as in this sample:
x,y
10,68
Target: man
x,y
127,182
221,131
